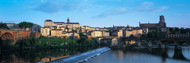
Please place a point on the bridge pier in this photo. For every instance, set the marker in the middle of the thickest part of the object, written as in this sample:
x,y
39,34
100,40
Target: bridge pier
x,y
177,46
149,44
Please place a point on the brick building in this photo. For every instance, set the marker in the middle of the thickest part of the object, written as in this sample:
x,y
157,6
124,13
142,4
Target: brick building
x,y
161,26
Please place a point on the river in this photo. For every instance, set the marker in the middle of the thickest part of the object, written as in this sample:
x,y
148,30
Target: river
x,y
152,55
42,55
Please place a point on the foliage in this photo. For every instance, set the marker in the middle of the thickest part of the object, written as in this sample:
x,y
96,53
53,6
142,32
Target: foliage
x,y
84,41
132,36
25,25
56,42
154,34
178,30
3,26
8,42
154,28
82,38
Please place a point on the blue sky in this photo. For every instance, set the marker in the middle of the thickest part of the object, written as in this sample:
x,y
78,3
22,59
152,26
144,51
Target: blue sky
x,y
97,13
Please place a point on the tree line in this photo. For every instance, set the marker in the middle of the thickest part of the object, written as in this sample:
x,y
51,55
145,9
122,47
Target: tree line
x,y
23,25
51,42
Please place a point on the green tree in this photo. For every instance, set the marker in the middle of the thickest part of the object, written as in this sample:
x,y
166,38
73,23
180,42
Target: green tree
x,y
156,34
171,30
183,31
25,25
154,28
82,38
3,26
177,29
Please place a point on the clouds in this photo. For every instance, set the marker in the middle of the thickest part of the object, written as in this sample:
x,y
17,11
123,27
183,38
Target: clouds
x,y
53,6
144,7
116,11
149,7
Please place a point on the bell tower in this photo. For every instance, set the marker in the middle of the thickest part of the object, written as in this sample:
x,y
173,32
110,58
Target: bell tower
x,y
68,21
162,22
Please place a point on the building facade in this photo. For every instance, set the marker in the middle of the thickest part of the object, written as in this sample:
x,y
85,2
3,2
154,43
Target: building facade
x,y
50,23
45,31
161,26
117,33
136,33
98,33
109,41
56,33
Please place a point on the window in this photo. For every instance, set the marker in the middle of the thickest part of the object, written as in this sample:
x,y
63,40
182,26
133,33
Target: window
x,y
46,31
42,30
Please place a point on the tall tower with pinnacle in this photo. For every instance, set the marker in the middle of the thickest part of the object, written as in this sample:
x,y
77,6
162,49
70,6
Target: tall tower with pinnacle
x,y
68,21
162,22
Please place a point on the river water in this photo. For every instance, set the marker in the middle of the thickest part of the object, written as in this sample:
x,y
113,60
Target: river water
x,y
39,56
151,55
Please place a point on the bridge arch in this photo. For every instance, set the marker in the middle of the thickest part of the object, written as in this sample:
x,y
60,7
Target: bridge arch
x,y
6,35
170,52
186,52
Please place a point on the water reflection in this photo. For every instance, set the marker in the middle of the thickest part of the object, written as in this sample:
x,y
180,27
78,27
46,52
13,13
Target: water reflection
x,y
186,52
170,52
152,55
38,55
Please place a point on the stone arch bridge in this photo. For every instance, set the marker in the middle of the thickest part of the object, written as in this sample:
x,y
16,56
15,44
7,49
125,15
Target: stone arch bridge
x,y
159,40
16,34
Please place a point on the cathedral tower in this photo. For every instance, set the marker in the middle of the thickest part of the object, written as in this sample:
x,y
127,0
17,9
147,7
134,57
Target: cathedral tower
x,y
162,20
162,23
68,21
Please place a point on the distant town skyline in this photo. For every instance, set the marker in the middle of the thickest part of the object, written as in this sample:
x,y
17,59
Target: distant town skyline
x,y
97,13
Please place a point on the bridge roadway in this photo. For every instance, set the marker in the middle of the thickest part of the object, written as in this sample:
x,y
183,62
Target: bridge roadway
x,y
180,41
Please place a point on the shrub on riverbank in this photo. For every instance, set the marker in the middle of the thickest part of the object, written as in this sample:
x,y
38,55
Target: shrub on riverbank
x,y
7,44
55,42
154,34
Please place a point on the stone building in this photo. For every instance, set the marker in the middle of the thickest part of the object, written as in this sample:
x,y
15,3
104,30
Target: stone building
x,y
45,31
50,23
118,33
98,33
60,29
109,41
128,33
56,33
161,26
105,34
12,25
36,27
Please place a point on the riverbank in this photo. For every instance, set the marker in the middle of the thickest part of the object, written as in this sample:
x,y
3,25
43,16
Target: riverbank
x,y
47,43
82,57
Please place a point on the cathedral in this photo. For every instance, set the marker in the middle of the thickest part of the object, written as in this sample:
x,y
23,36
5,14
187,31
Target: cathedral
x,y
161,26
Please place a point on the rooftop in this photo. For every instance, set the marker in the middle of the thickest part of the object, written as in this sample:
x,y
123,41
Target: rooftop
x,y
48,21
